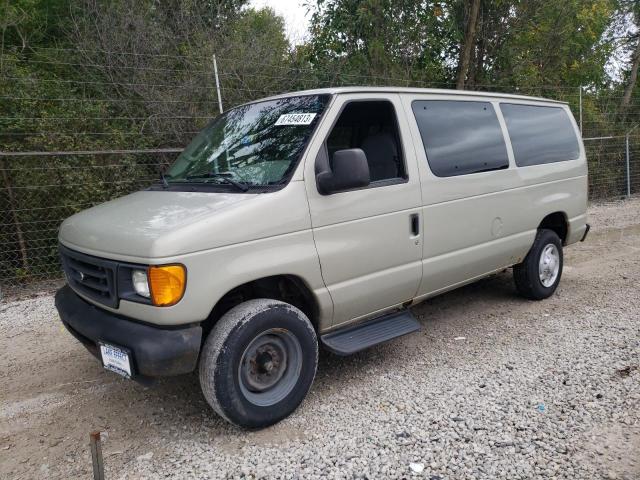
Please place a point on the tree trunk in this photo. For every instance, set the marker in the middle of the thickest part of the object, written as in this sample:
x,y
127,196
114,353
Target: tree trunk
x,y
467,45
633,76
476,68
14,215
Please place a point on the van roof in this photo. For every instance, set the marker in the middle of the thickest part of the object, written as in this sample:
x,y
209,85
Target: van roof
x,y
390,89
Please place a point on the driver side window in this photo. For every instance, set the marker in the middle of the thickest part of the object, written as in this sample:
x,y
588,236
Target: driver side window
x,y
371,126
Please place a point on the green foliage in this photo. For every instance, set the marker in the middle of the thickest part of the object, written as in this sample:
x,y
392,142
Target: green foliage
x,y
392,40
519,43
138,74
254,57
553,43
33,22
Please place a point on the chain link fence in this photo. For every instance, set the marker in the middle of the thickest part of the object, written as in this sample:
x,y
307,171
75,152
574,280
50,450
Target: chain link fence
x,y
69,141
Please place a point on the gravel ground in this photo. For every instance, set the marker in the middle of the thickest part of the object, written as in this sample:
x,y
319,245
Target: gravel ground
x,y
492,387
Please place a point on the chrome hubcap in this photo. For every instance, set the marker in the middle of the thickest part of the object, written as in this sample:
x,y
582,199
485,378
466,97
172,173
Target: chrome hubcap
x,y
549,265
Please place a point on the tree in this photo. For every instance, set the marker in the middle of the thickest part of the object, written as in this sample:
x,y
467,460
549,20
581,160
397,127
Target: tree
x,y
625,34
137,74
24,24
255,57
106,75
381,41
633,76
552,43
468,44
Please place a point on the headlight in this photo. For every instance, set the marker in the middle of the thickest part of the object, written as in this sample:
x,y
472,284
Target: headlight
x,y
166,284
140,283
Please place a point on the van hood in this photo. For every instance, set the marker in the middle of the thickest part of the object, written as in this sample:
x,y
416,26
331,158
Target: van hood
x,y
158,224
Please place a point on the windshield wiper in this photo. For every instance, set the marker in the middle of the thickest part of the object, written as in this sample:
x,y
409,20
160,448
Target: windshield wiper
x,y
226,177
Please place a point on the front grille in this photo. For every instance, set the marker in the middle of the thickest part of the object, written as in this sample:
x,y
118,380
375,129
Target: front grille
x,y
90,276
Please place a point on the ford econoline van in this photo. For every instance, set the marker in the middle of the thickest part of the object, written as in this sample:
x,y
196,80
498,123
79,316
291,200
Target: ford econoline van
x,y
317,219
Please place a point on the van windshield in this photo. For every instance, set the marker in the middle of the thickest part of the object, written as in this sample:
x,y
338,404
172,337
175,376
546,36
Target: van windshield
x,y
258,144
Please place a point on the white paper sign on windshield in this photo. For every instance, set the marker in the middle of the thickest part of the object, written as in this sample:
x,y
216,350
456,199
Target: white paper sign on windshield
x,y
296,119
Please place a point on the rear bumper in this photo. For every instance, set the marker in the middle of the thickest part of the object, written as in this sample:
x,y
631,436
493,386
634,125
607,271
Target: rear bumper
x,y
156,352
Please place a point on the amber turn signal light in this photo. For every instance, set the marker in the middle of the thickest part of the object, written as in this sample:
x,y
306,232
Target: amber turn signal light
x,y
167,284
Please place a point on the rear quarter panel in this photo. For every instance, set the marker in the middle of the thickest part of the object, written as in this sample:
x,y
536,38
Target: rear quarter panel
x,y
559,187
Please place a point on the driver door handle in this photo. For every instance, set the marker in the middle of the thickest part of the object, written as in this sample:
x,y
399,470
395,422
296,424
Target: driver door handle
x,y
414,220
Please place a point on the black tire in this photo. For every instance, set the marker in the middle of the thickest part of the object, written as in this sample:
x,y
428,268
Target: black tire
x,y
258,362
527,274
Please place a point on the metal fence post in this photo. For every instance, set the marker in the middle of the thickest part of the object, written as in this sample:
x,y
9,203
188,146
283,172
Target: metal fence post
x,y
96,456
628,158
580,109
626,143
215,71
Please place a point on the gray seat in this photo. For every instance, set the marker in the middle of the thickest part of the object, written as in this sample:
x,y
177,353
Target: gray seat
x,y
382,156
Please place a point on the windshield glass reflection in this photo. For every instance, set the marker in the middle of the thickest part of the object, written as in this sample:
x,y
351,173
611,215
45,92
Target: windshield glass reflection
x,y
252,145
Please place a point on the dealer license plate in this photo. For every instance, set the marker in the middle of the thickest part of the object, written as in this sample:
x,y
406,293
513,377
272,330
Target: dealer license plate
x,y
116,359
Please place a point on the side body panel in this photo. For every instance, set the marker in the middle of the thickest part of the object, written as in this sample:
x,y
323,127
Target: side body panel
x,y
479,223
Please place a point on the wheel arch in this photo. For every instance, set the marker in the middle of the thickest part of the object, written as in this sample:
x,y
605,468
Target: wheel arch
x,y
288,288
557,222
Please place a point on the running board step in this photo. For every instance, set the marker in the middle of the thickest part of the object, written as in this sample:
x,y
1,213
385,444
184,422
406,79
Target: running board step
x,y
373,332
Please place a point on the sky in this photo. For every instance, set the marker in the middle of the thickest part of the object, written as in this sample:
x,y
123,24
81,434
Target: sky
x,y
294,13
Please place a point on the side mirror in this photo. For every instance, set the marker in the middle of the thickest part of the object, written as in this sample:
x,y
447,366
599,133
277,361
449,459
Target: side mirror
x,y
350,170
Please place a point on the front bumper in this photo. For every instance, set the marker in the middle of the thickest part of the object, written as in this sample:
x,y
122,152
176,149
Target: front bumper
x,y
156,352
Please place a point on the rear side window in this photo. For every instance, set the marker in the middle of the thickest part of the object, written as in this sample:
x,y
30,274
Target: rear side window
x,y
460,137
540,134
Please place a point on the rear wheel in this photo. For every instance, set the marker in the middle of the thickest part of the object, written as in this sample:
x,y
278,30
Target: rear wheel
x,y
538,275
259,362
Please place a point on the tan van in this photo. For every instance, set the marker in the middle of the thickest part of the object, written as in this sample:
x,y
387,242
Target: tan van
x,y
318,218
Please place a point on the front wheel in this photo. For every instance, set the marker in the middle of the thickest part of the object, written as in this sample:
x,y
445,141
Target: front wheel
x,y
259,362
538,275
